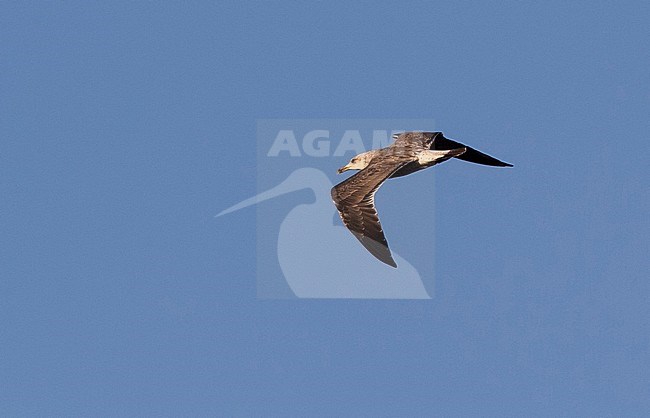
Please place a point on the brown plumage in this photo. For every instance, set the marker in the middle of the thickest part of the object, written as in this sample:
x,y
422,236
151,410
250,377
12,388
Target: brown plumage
x,y
412,151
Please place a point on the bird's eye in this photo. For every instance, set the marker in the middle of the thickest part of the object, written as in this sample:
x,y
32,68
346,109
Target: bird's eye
x,y
354,160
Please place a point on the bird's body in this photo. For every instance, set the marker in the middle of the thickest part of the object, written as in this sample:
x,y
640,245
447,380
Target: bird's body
x,y
411,152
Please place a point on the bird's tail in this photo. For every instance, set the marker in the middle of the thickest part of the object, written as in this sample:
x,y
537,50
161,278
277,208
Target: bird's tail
x,y
431,157
456,152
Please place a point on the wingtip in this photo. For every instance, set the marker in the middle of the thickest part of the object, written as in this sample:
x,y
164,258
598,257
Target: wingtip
x,y
388,262
387,259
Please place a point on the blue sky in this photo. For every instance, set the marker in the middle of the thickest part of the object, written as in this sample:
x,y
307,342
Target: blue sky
x,y
126,126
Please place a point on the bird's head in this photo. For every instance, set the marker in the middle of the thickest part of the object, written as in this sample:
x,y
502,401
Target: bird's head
x,y
358,162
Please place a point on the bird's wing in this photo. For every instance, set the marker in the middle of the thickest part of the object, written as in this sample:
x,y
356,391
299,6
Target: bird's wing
x,y
355,200
471,155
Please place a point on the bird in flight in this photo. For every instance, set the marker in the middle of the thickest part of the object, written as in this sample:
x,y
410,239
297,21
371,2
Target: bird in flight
x,y
410,152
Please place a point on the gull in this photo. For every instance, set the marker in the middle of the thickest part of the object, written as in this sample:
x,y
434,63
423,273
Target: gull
x,y
354,197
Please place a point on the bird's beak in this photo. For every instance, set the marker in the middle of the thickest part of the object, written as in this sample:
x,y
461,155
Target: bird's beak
x,y
342,169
